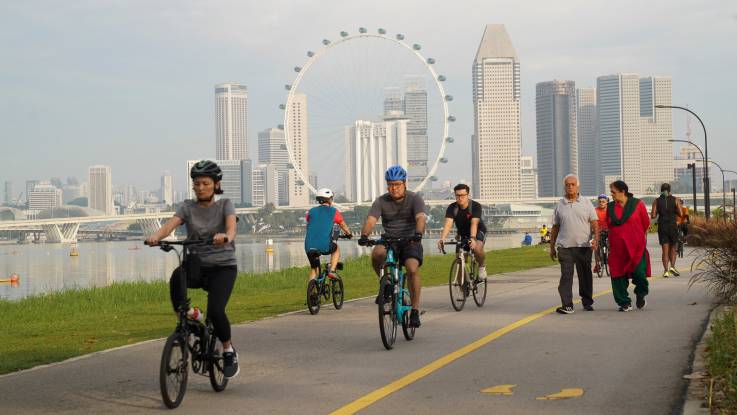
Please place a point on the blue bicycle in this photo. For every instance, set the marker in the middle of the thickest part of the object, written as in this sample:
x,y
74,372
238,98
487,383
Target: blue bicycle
x,y
394,298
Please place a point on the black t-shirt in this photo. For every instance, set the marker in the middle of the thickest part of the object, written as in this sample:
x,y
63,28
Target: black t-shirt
x,y
666,210
462,217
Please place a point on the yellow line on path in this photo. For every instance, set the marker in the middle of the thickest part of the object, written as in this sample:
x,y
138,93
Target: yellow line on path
x,y
420,373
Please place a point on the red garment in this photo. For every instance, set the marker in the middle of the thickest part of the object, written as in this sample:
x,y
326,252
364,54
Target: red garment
x,y
601,213
338,218
628,242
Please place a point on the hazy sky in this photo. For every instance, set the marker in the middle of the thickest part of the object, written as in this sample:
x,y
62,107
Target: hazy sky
x,y
130,83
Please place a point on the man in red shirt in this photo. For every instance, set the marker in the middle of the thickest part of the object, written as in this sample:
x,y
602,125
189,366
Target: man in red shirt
x,y
601,213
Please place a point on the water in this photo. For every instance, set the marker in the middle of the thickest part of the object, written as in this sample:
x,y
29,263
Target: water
x,y
48,267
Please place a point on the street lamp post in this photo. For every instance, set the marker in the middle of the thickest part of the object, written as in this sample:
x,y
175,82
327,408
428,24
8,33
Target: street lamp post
x,y
706,205
692,167
734,205
705,154
724,189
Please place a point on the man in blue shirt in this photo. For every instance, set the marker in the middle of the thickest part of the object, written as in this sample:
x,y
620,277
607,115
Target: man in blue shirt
x,y
320,237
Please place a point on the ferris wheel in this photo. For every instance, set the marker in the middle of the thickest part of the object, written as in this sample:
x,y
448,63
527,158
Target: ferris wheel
x,y
412,50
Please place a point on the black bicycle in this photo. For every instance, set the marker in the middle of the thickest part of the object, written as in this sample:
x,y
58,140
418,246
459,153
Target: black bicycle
x,y
190,338
602,252
682,232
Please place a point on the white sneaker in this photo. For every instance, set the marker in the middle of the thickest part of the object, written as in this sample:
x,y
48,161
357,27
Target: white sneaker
x,y
482,273
674,272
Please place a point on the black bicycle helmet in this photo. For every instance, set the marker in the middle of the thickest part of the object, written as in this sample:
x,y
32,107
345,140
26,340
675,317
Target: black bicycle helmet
x,y
206,168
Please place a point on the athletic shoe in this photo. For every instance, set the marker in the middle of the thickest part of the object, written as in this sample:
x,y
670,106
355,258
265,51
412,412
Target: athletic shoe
x,y
588,308
482,273
641,302
230,364
597,269
674,272
564,310
414,318
625,308
387,294
666,274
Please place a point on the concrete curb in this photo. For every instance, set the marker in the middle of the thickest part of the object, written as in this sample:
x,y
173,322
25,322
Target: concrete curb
x,y
698,380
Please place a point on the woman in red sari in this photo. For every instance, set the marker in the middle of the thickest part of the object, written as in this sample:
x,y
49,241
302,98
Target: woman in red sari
x,y
628,257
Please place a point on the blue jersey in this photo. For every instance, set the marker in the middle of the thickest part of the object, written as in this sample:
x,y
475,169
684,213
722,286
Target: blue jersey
x,y
320,224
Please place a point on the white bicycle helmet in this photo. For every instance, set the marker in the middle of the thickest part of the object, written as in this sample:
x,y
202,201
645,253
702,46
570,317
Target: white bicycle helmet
x,y
323,194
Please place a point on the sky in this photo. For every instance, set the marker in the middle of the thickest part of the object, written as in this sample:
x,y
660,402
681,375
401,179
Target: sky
x,y
130,83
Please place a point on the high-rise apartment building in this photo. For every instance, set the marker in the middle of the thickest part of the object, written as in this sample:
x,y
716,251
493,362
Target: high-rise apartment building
x,y
167,189
272,149
101,189
496,143
413,106
587,142
231,121
370,149
528,179
44,196
557,145
299,193
632,135
8,193
30,184
265,185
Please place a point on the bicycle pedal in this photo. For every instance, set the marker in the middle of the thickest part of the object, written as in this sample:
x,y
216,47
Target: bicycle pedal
x,y
423,312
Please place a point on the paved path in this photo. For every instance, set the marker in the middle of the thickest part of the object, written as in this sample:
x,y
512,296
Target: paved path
x,y
301,364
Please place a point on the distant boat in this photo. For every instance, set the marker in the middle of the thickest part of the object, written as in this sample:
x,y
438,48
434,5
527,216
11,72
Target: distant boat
x,y
74,251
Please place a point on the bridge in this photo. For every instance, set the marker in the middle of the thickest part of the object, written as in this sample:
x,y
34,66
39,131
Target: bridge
x,y
65,230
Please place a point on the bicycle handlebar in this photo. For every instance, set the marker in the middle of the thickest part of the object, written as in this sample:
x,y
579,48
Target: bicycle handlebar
x,y
185,242
387,240
463,240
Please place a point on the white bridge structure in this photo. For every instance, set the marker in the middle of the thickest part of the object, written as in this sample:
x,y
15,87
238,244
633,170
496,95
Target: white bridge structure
x,y
65,230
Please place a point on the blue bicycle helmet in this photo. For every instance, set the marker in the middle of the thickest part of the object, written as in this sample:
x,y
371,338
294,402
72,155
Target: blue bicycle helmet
x,y
395,173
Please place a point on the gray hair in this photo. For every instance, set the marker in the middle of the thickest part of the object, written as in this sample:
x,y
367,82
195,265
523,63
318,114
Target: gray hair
x,y
571,175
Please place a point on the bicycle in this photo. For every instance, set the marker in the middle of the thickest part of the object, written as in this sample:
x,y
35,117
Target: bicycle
x,y
394,302
681,239
317,289
602,251
463,279
190,337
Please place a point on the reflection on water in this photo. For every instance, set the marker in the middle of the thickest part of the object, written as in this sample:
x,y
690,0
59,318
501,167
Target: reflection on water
x,y
48,267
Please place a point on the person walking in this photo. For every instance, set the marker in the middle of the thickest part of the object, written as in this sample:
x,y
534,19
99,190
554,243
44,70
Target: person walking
x,y
667,209
628,256
601,213
574,235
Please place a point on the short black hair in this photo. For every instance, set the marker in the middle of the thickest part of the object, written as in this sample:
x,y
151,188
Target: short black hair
x,y
665,187
462,186
622,187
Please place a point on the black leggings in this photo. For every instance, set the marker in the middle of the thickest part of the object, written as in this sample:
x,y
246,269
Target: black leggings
x,y
218,282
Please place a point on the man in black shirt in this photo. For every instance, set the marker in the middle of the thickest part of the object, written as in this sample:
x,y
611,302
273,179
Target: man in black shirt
x,y
666,208
466,214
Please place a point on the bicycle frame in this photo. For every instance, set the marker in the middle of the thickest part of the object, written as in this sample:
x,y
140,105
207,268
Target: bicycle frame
x,y
396,279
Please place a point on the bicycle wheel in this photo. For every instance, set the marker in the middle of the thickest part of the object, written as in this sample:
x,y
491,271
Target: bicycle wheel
x,y
387,317
313,297
479,287
605,262
409,332
173,370
336,287
457,294
215,363
680,248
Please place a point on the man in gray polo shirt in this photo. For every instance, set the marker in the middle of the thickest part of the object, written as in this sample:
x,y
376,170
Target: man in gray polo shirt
x,y
574,237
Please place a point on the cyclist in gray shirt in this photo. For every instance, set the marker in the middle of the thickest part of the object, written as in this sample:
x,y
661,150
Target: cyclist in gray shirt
x,y
207,219
402,215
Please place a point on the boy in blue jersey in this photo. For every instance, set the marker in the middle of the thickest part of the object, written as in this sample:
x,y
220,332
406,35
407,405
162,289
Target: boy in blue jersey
x,y
320,239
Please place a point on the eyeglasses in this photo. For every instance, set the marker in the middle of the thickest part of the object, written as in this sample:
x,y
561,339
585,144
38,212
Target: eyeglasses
x,y
461,195
394,185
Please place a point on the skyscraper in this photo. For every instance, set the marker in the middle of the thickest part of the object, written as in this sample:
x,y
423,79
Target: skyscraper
x,y
496,143
299,194
415,109
370,149
8,191
587,143
44,196
528,179
633,136
272,150
231,121
557,145
101,189
265,185
167,189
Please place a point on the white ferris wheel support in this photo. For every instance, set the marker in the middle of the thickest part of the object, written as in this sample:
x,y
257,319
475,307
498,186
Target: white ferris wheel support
x,y
345,37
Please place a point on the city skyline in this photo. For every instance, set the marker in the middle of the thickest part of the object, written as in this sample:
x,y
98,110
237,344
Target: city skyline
x,y
160,137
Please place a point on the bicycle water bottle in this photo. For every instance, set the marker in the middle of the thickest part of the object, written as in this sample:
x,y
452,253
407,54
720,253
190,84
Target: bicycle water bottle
x,y
196,314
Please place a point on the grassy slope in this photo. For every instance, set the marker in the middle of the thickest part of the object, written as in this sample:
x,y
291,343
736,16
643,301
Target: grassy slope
x,y
58,326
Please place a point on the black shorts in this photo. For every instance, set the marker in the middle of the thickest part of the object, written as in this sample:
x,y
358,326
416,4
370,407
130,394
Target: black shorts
x,y
668,234
480,236
409,250
314,256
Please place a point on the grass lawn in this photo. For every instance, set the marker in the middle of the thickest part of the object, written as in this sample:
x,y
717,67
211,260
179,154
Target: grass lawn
x,y
54,327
